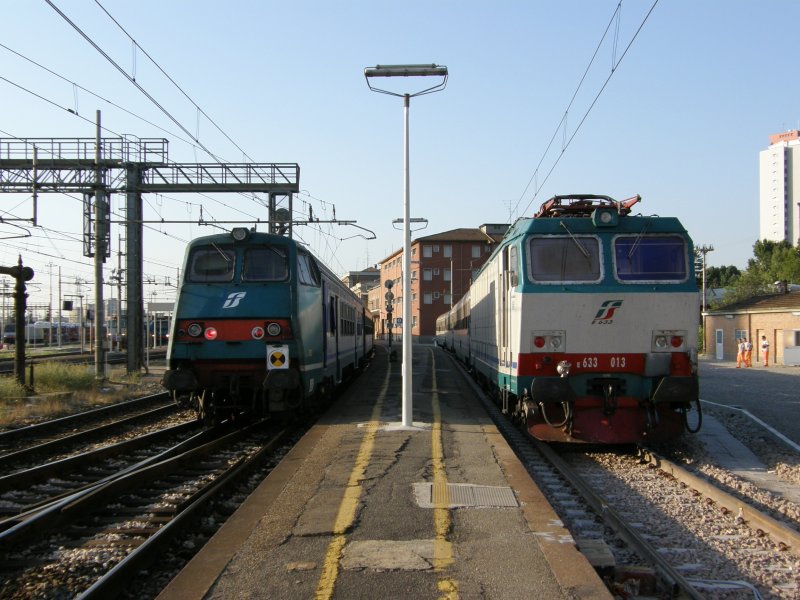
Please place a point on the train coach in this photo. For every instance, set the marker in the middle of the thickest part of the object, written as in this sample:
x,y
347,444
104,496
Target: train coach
x,y
261,326
584,323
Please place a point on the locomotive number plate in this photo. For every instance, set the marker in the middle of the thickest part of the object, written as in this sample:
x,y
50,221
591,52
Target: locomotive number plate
x,y
608,362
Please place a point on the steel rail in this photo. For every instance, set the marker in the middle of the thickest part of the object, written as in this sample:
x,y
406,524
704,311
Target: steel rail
x,y
26,453
144,554
786,537
62,512
612,518
69,466
21,432
196,440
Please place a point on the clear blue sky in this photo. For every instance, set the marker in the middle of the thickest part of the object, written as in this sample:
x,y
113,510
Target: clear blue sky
x,y
690,104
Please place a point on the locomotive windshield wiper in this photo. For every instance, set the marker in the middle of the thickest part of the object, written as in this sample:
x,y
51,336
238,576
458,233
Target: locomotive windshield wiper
x,y
639,238
580,246
222,254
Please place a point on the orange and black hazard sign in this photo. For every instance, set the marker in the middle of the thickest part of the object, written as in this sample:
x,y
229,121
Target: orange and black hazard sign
x,y
278,357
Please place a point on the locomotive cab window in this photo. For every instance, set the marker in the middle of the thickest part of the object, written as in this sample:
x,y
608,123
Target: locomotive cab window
x,y
265,263
559,259
211,264
307,270
650,258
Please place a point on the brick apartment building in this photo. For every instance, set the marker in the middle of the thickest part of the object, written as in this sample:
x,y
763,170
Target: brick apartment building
x,y
442,267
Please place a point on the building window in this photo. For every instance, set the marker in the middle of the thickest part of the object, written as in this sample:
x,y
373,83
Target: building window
x,y
448,299
476,251
427,298
436,247
427,251
427,274
447,251
447,274
414,321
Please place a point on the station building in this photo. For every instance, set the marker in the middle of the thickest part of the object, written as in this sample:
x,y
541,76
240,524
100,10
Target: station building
x,y
442,268
775,316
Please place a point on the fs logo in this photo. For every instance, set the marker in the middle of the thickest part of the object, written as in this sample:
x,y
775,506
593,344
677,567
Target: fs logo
x,y
605,316
233,299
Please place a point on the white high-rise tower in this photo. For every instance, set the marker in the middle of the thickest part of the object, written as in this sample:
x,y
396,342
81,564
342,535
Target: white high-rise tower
x,y
779,188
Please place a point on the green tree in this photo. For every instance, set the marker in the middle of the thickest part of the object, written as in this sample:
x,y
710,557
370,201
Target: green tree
x,y
771,262
720,277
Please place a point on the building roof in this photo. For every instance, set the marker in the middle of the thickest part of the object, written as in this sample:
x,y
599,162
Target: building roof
x,y
757,304
463,234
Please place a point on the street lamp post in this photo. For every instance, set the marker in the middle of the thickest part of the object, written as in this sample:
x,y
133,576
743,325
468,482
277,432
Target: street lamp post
x,y
407,71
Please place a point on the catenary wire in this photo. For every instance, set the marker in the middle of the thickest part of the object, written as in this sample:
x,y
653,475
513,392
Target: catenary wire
x,y
586,114
174,82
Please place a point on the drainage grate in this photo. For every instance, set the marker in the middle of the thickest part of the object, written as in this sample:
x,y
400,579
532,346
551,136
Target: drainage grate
x,y
464,495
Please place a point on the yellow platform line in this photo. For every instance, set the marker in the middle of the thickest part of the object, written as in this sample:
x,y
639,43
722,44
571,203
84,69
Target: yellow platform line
x,y
352,495
442,547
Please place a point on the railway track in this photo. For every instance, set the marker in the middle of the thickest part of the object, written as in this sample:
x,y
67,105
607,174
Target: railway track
x,y
76,357
58,436
653,528
30,490
92,541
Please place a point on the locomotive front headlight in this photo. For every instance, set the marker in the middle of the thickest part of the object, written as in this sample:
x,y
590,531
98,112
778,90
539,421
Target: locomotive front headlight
x,y
195,330
210,333
240,234
563,368
273,329
661,342
555,342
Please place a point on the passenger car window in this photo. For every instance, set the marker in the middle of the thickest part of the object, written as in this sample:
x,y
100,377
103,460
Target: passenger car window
x,y
211,264
265,263
650,258
557,259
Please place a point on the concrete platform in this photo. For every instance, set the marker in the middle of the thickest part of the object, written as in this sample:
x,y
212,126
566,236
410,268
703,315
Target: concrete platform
x,y
364,508
729,453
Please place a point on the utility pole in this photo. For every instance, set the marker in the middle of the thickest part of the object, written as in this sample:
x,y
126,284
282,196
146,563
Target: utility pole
x,y
59,306
50,265
704,250
99,258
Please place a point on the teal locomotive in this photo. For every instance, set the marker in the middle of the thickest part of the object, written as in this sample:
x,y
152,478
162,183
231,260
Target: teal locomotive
x,y
261,326
584,323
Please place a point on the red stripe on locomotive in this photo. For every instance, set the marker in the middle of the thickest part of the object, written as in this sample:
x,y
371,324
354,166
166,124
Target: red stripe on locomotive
x,y
537,365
